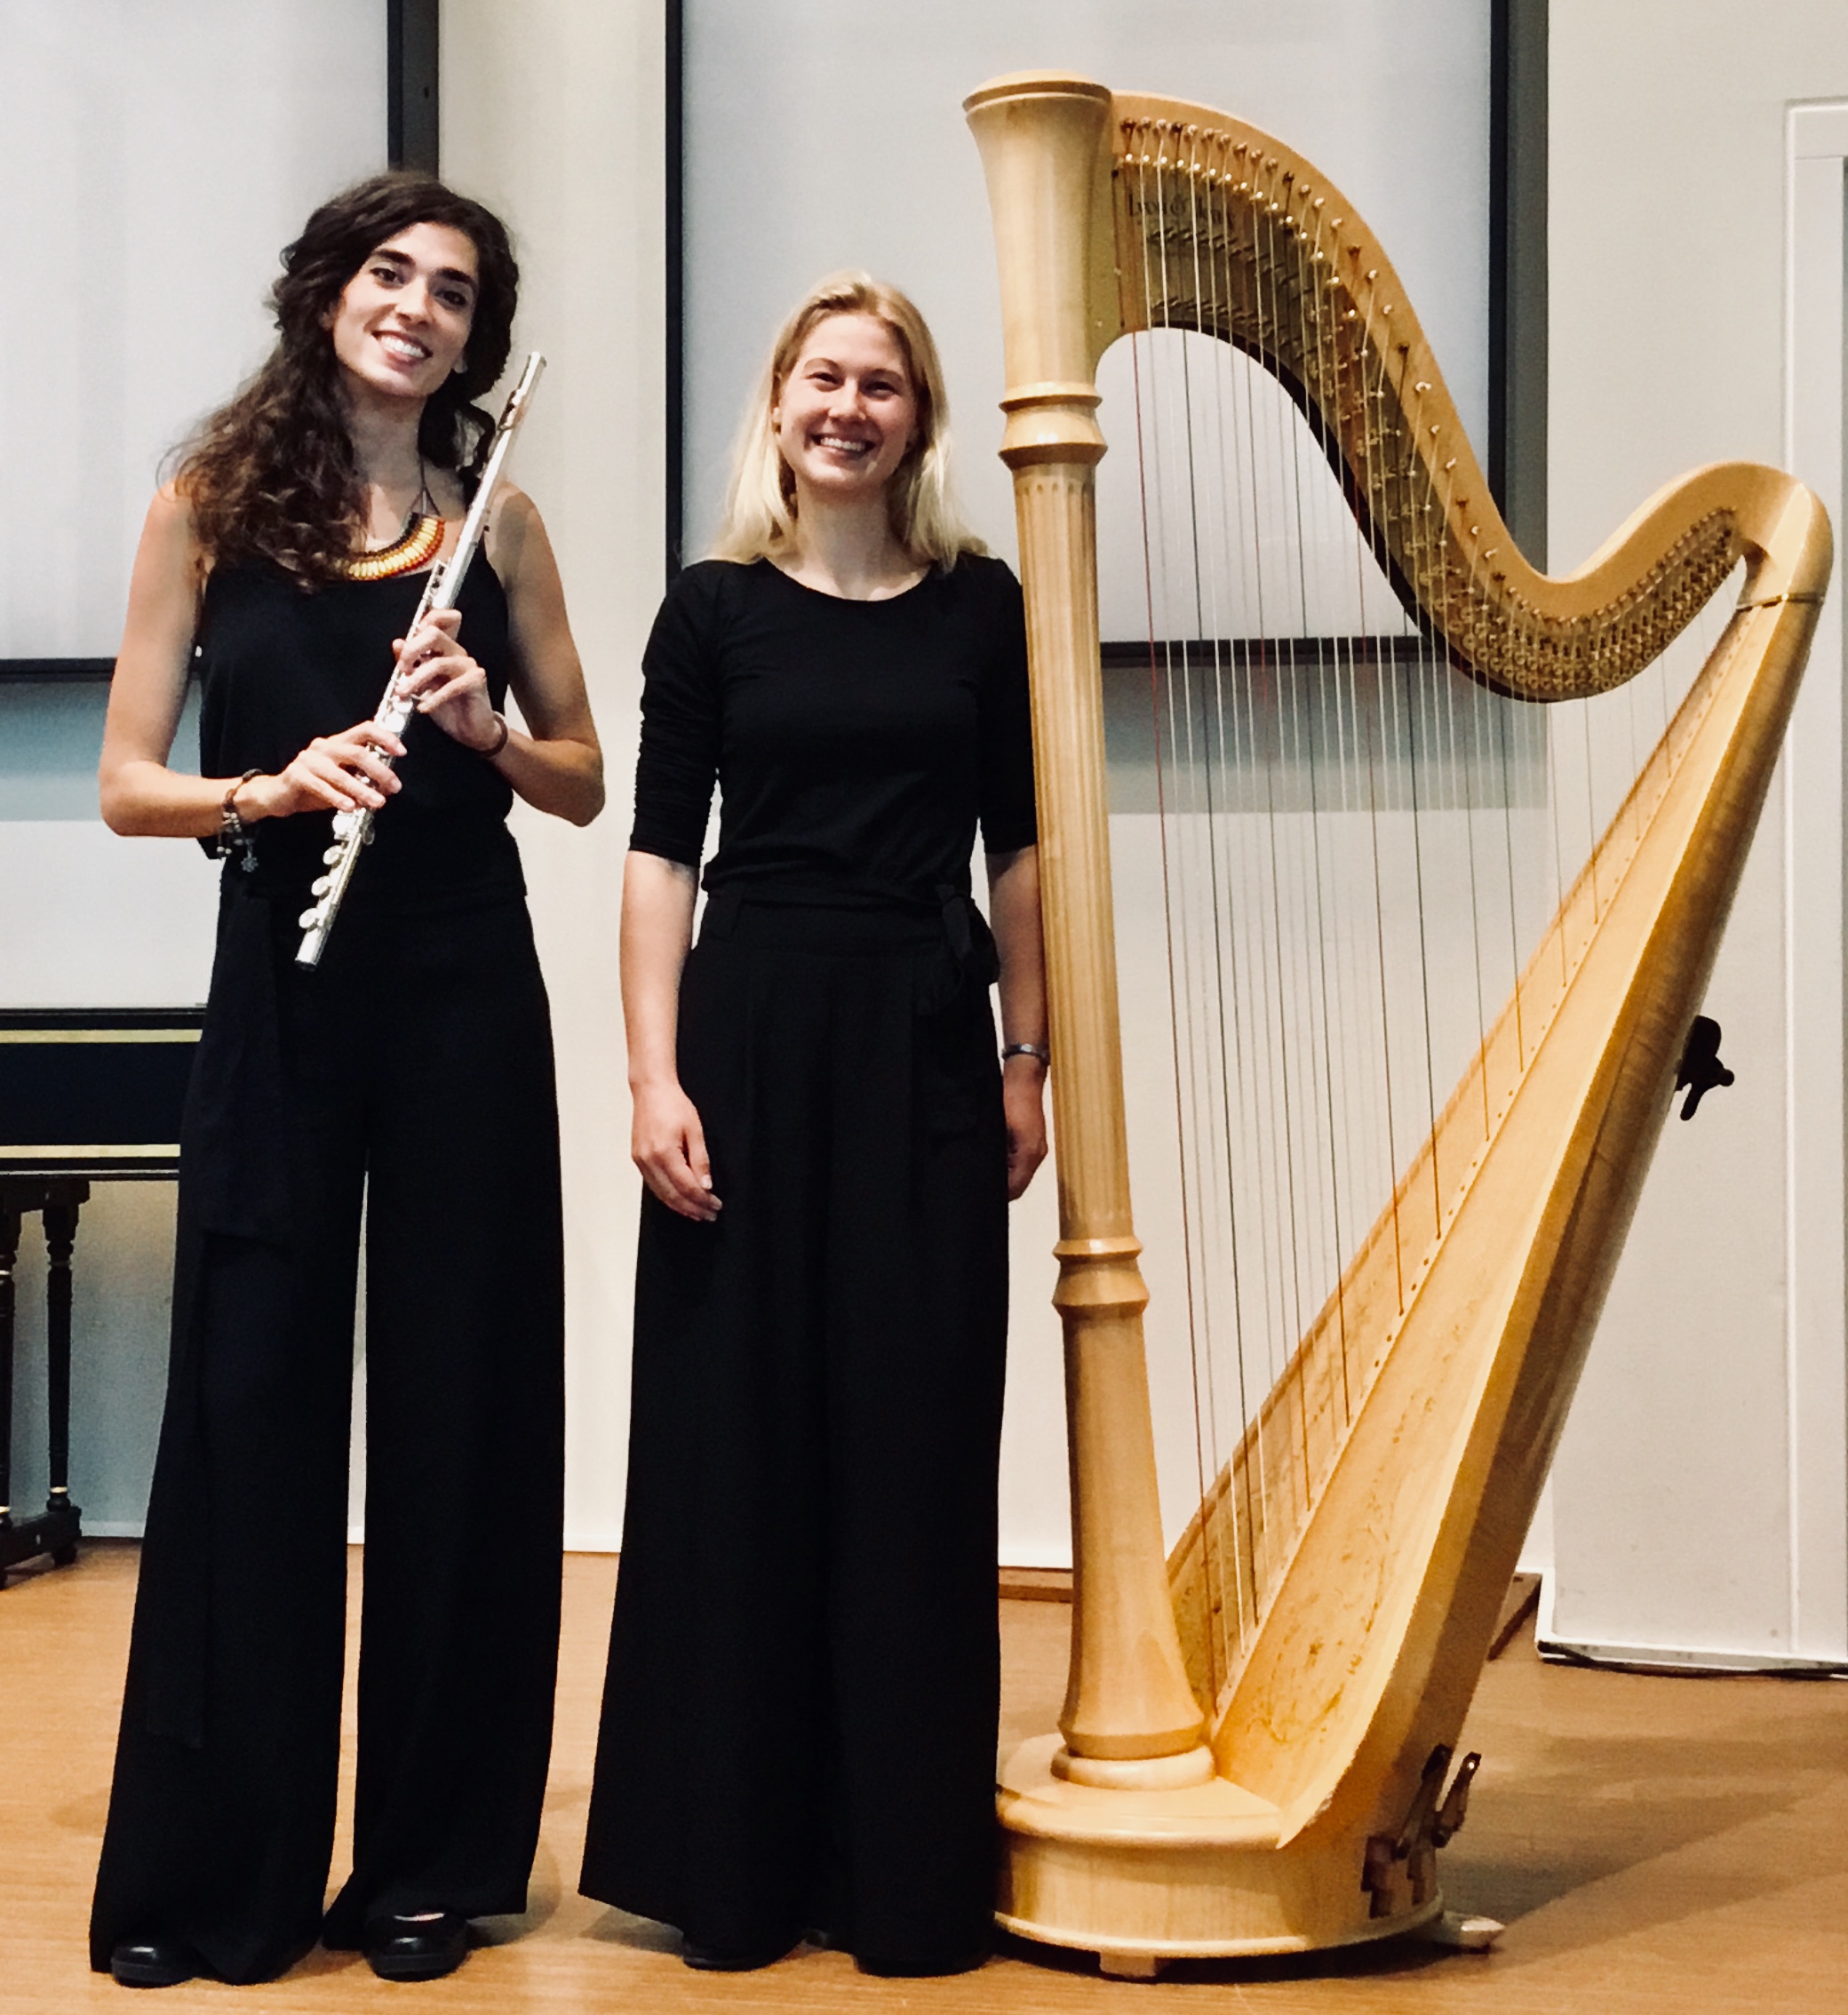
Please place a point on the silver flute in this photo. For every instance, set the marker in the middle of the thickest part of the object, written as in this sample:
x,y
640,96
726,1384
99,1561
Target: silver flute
x,y
353,829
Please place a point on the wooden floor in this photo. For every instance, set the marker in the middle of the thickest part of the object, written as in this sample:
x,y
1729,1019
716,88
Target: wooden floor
x,y
1652,1845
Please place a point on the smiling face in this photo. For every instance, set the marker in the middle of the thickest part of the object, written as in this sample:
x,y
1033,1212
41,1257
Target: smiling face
x,y
846,411
401,323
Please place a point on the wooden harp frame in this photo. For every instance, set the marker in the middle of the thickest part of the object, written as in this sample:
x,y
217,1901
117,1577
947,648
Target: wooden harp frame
x,y
1298,1800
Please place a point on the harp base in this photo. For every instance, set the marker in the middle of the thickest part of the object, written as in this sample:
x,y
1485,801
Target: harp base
x,y
1140,1877
1136,1773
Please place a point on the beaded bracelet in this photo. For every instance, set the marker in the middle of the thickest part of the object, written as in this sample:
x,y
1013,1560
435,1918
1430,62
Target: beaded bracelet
x,y
233,836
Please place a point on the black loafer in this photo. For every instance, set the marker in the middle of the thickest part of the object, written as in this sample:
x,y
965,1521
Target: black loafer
x,y
416,1948
154,1962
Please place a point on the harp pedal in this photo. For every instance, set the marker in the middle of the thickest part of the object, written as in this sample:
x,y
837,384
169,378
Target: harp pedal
x,y
1399,1871
1699,1069
1130,1965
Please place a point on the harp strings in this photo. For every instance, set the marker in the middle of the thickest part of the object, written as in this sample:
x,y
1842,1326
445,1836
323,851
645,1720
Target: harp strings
x,y
1159,672
1225,729
1359,849
1202,963
1337,815
1363,853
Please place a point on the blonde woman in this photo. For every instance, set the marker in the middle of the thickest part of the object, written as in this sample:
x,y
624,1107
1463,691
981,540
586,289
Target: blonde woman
x,y
799,1725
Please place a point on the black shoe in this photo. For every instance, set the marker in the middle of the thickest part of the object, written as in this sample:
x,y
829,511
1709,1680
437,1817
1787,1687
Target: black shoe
x,y
416,1948
154,1962
706,1959
922,1969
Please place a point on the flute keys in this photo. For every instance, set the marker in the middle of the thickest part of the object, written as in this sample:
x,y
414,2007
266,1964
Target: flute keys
x,y
308,919
321,884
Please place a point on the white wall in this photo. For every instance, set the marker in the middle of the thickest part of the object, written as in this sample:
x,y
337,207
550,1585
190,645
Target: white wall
x,y
154,154
1684,1525
155,157
552,113
553,116
822,134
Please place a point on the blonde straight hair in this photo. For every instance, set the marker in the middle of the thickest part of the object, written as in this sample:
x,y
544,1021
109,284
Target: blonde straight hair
x,y
761,503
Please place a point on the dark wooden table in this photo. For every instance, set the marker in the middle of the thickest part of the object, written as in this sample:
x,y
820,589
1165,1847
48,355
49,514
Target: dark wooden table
x,y
86,1095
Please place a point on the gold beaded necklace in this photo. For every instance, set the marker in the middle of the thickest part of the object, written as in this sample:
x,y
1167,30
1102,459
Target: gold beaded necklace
x,y
414,547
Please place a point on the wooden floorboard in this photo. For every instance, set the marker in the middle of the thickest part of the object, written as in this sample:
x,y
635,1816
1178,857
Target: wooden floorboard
x,y
1662,1845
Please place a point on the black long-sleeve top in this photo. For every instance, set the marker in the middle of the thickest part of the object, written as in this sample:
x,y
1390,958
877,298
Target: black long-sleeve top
x,y
855,744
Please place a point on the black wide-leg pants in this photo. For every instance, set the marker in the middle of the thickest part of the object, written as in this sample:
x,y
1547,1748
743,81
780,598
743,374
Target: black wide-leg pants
x,y
412,1072
800,1721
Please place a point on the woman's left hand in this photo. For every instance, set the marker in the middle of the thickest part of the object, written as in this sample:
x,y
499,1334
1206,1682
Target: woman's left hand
x,y
447,683
1023,1108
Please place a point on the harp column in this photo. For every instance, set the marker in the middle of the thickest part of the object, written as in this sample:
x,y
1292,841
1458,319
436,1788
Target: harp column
x,y
1130,1718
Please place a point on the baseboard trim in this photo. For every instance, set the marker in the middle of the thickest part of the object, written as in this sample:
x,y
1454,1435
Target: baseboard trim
x,y
1036,1584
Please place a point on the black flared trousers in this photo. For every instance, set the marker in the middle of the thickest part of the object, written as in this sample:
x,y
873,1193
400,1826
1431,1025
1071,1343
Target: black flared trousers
x,y
413,1070
800,1720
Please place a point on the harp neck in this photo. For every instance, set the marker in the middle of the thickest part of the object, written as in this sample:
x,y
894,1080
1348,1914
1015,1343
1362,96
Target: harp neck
x,y
1116,214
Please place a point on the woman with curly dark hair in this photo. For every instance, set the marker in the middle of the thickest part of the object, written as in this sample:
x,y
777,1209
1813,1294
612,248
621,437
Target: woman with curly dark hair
x,y
409,1074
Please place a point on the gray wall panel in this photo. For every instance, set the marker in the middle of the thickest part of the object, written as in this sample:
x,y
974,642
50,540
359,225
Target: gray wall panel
x,y
155,156
822,134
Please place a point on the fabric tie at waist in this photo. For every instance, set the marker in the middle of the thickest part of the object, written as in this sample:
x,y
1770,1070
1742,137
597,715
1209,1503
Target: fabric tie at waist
x,y
968,954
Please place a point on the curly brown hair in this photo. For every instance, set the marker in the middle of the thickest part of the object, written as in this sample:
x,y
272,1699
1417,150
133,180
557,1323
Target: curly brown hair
x,y
272,474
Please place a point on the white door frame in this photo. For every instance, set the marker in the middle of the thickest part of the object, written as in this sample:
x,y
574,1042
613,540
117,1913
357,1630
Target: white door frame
x,y
1816,343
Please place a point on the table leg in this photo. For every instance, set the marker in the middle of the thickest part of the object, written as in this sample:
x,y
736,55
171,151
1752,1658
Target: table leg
x,y
9,1260
60,1222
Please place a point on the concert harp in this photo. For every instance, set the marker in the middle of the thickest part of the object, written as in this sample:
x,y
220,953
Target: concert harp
x,y
1255,1753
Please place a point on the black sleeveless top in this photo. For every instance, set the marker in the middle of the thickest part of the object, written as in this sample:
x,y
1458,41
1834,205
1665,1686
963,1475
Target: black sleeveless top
x,y
279,665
